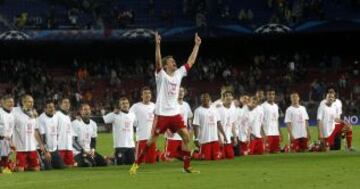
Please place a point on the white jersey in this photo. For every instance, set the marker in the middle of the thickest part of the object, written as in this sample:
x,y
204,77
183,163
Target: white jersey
x,y
256,121
271,119
207,120
298,117
327,114
243,118
84,132
48,126
186,114
7,122
144,114
123,129
66,132
167,88
337,105
227,119
24,131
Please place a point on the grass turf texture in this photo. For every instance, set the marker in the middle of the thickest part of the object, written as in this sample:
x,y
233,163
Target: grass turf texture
x,y
305,170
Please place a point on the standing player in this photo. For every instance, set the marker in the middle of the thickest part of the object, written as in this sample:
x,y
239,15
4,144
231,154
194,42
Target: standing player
x,y
255,120
123,132
167,111
66,133
6,132
228,119
144,113
207,126
26,136
48,123
242,127
85,140
297,122
330,125
173,141
271,123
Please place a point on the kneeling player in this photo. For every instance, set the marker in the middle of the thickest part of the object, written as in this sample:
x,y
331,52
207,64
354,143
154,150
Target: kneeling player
x,y
206,125
330,125
123,133
297,122
85,140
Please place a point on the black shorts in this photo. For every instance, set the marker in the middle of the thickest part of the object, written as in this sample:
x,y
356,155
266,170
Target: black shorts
x,y
124,156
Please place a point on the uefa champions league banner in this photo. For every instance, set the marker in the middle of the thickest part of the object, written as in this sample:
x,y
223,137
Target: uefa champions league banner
x,y
352,119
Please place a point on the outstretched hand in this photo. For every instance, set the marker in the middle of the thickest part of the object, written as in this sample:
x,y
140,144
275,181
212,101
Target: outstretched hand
x,y
157,38
197,39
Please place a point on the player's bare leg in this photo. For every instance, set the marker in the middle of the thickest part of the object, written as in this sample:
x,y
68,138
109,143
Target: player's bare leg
x,y
140,159
186,150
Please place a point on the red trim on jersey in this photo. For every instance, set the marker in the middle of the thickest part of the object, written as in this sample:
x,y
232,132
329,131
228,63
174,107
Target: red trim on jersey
x,y
187,67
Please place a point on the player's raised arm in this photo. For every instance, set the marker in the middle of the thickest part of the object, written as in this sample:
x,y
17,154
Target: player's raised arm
x,y
158,64
192,58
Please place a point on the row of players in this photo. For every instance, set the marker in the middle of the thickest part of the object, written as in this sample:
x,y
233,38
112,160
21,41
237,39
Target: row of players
x,y
252,127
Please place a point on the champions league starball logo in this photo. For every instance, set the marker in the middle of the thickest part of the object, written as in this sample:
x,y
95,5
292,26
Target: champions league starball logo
x,y
14,36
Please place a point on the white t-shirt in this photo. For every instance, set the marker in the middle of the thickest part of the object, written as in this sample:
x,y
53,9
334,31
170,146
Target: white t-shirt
x,y
256,121
207,119
186,114
337,104
227,119
24,131
84,133
144,114
271,119
123,129
66,132
297,116
167,88
327,115
48,126
243,123
7,122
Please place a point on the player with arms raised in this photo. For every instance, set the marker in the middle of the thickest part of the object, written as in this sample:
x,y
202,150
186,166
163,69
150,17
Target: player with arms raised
x,y
167,110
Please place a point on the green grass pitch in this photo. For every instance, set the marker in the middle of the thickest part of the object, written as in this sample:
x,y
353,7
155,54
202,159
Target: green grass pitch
x,y
339,169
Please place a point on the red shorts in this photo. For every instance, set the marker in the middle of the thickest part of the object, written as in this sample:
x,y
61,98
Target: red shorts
x,y
256,146
299,145
163,123
67,156
244,148
173,148
210,151
150,156
27,160
337,131
273,144
228,151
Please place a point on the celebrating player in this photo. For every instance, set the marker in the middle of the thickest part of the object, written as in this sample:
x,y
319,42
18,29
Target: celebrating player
x,y
167,110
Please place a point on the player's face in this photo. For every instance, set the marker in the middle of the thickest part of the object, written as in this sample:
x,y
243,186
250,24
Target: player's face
x,y
8,104
252,103
146,96
65,105
228,97
124,105
330,98
244,100
85,111
270,96
28,103
205,100
171,64
181,93
260,94
50,109
295,99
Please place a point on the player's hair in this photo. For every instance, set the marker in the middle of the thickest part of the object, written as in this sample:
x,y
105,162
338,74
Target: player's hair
x,y
23,98
227,92
6,97
331,90
49,101
164,59
84,104
63,98
294,92
205,93
145,88
270,90
123,98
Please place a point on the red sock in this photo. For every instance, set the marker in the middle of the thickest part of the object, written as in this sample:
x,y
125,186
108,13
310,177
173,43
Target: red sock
x,y
186,158
141,157
349,138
